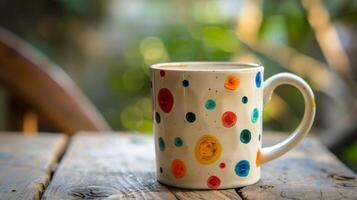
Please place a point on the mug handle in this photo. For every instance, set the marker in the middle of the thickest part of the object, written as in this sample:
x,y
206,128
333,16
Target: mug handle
x,y
275,151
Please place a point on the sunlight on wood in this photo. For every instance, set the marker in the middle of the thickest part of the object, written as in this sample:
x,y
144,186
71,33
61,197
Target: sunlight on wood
x,y
30,123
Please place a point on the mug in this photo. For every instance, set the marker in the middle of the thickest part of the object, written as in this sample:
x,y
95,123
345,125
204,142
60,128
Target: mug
x,y
208,122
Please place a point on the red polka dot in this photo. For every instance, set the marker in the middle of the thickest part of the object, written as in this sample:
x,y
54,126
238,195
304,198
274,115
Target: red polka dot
x,y
178,168
213,182
229,119
166,100
222,165
162,73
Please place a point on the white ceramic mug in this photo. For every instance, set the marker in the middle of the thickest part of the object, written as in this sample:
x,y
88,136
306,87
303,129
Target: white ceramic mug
x,y
208,122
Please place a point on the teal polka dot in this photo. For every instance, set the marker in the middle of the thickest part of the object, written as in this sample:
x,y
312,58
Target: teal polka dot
x,y
255,115
161,144
245,136
178,142
244,99
210,104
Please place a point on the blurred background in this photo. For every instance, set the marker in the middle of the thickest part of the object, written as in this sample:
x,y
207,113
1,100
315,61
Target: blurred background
x,y
106,48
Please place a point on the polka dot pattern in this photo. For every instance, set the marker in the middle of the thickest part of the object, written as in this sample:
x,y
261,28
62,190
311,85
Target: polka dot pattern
x,y
185,83
213,182
166,100
209,148
210,104
190,117
178,168
161,144
255,115
178,142
245,136
242,168
244,99
258,79
229,119
157,117
232,82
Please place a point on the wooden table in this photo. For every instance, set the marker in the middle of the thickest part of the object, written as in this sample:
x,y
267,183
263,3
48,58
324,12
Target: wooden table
x,y
121,166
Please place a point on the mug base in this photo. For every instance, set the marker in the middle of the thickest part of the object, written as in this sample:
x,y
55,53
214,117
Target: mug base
x,y
231,185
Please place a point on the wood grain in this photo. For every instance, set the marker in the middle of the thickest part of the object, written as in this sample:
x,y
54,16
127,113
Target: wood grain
x,y
121,166
309,171
26,163
116,166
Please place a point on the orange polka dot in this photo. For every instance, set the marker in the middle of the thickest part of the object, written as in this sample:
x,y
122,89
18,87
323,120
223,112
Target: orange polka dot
x,y
231,83
178,168
313,103
258,159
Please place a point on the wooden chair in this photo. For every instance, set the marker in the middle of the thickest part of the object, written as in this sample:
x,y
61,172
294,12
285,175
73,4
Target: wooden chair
x,y
44,86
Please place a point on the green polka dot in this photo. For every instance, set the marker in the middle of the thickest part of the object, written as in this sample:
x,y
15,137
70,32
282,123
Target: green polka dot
x,y
245,136
161,144
244,99
178,142
255,115
210,104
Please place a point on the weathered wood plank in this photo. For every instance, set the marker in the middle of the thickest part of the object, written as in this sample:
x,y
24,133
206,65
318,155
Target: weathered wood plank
x,y
26,163
309,171
116,166
122,167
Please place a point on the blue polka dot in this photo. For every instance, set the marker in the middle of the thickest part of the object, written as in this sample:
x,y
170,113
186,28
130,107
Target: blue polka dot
x,y
258,79
185,83
242,168
161,144
178,142
255,115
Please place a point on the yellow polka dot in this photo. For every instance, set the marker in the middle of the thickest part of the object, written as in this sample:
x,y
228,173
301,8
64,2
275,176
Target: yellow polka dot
x,y
208,149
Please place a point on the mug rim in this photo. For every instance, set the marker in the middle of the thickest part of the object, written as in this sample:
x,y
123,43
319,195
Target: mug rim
x,y
210,66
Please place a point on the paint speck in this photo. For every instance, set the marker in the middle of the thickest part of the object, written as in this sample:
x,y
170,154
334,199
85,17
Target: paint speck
x,y
161,144
157,117
222,165
161,170
185,83
165,99
213,182
244,99
210,104
258,79
208,149
190,117
229,119
258,158
178,142
242,168
245,136
162,73
178,168
255,115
